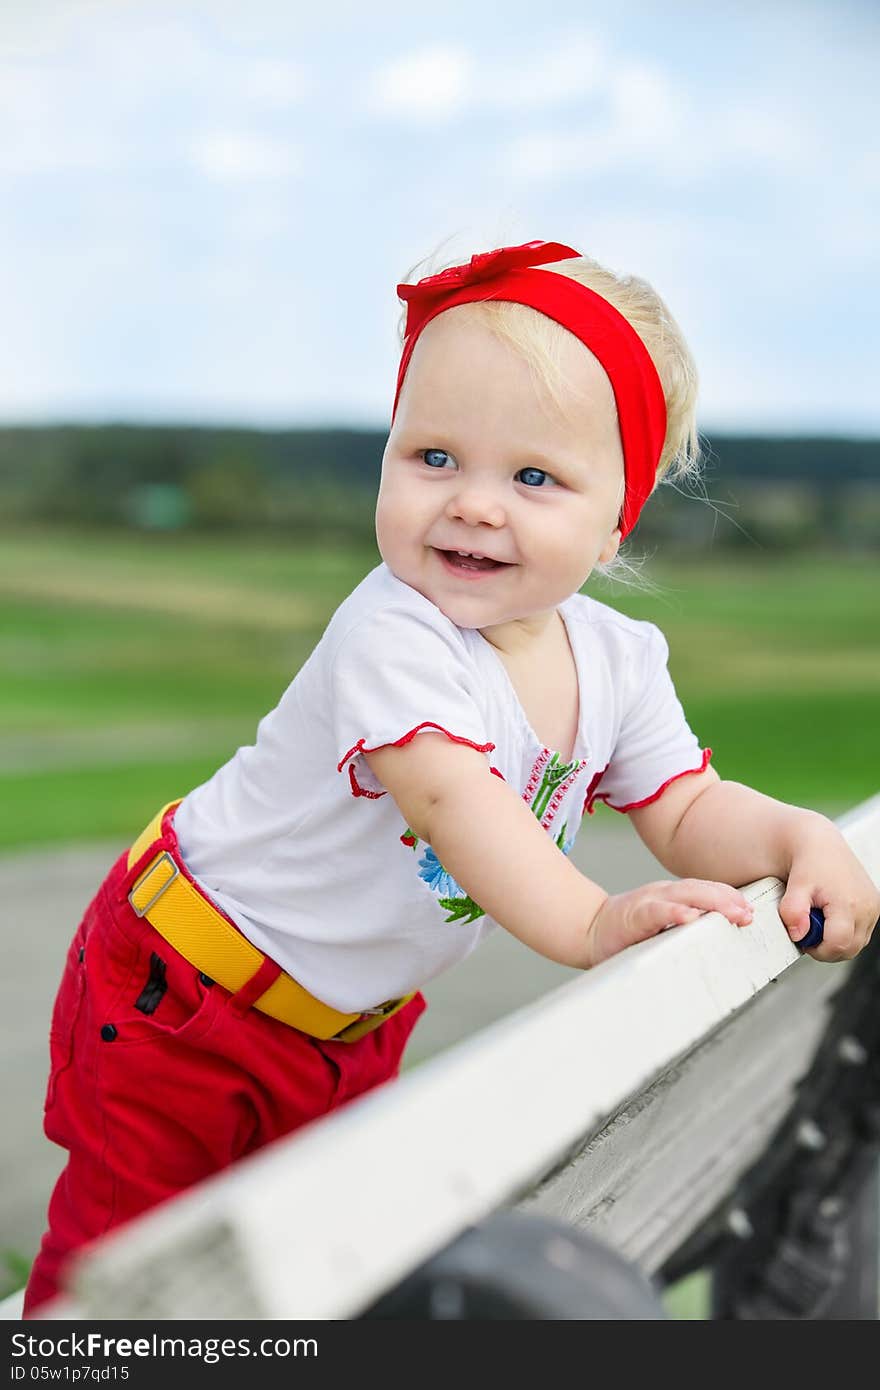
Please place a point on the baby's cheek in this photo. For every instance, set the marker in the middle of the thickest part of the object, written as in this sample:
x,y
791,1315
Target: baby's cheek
x,y
398,522
385,523
394,539
391,500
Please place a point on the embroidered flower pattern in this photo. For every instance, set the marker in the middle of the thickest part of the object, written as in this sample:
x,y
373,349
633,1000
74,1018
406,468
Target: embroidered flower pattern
x,y
548,782
434,874
566,845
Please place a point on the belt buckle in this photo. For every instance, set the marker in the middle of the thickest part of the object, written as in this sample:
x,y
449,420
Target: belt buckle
x,y
381,1009
142,911
366,1022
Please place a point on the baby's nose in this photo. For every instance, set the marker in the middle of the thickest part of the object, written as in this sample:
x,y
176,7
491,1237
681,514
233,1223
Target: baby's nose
x,y
476,506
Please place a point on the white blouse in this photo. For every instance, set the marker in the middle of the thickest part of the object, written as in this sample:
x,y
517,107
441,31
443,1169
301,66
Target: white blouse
x,y
309,855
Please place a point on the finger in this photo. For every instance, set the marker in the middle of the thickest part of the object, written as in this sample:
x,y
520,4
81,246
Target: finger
x,y
708,896
794,909
661,915
840,941
651,916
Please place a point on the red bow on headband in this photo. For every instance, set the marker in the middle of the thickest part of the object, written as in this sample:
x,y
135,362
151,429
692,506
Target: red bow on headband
x,y
486,266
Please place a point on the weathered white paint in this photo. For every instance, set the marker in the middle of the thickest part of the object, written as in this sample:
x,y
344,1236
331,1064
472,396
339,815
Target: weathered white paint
x,y
669,1156
628,1101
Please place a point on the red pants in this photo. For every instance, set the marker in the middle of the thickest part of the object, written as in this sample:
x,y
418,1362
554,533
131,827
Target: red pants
x,y
152,1089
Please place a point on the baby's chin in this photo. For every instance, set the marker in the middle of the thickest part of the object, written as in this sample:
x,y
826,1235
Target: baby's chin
x,y
477,610
460,611
464,611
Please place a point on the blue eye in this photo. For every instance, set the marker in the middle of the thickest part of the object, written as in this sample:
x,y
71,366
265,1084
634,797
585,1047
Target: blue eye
x,y
435,458
534,477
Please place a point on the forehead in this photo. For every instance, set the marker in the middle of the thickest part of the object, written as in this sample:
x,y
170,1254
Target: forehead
x,y
461,369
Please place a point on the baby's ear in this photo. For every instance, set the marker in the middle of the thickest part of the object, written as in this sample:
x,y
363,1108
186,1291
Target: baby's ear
x,y
610,548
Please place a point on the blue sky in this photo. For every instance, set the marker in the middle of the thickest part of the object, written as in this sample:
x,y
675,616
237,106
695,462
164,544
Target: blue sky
x,y
205,207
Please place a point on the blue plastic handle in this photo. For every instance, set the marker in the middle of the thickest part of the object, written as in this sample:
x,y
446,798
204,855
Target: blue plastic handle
x,y
816,933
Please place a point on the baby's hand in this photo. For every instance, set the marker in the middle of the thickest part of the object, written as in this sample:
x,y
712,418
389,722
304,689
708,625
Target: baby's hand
x,y
641,913
825,873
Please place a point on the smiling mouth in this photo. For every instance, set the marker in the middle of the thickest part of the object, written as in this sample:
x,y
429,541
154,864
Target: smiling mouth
x,y
468,563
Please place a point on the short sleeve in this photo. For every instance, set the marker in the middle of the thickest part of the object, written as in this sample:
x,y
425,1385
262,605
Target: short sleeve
x,y
655,744
397,674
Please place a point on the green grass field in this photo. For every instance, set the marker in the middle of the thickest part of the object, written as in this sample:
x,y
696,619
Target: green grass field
x,y
133,665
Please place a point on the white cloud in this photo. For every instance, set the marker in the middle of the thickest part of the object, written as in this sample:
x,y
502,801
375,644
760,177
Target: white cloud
x,y
642,123
41,27
271,82
568,69
437,83
234,155
24,93
643,101
28,151
257,221
550,154
431,85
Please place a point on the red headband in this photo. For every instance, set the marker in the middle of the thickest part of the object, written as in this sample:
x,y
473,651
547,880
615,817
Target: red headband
x,y
510,273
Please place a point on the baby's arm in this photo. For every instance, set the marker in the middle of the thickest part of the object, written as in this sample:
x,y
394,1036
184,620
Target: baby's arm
x,y
485,835
702,825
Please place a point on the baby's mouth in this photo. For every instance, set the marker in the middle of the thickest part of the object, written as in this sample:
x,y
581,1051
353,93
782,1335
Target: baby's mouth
x,y
459,560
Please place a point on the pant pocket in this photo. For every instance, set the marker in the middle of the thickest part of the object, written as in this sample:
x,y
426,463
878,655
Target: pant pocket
x,y
68,1005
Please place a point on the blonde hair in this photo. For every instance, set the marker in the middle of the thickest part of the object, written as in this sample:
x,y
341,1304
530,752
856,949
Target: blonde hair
x,y
539,340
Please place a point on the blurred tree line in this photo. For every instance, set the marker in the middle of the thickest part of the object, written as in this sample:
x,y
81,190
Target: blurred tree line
x,y
788,492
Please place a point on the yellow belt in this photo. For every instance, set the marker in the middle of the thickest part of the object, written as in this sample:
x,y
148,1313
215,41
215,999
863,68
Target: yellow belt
x,y
201,934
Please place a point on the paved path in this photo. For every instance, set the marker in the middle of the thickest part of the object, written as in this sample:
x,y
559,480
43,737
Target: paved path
x,y
44,893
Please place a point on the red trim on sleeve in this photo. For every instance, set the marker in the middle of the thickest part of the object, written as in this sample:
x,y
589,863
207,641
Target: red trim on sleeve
x,y
358,790
636,805
590,797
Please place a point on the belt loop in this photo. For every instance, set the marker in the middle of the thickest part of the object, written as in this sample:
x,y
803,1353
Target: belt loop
x,y
252,989
166,839
168,829
133,874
